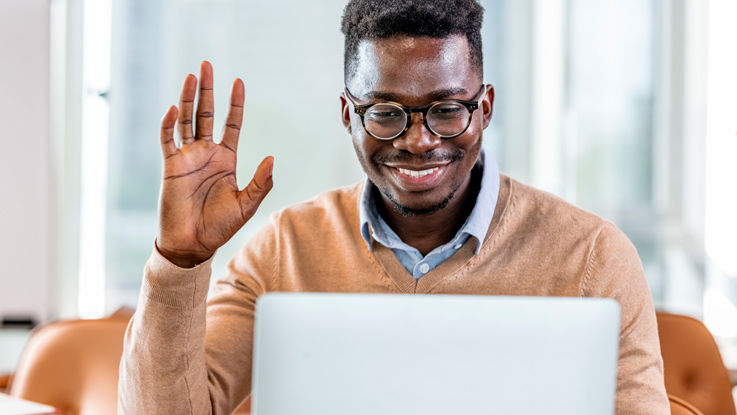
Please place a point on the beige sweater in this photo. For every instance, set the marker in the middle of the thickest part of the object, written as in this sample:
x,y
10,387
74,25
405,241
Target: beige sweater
x,y
185,354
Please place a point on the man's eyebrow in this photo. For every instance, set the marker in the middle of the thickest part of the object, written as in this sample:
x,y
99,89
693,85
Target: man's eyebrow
x,y
432,96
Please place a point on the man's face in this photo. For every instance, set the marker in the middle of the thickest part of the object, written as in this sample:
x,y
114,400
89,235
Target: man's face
x,y
416,71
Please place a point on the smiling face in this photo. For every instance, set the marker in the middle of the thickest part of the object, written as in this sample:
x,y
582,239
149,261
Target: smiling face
x,y
418,172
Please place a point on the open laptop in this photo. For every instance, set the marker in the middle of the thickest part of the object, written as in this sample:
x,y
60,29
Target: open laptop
x,y
350,354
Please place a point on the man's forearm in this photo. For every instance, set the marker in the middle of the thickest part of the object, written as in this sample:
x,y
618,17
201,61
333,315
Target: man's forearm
x,y
163,365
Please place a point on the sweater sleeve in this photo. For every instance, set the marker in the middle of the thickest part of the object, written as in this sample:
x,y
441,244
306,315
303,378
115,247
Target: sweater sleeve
x,y
614,271
185,354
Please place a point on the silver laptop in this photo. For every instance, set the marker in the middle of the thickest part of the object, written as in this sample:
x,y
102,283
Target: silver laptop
x,y
351,354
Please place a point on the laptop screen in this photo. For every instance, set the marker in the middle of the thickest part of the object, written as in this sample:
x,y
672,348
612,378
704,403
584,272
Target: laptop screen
x,y
433,354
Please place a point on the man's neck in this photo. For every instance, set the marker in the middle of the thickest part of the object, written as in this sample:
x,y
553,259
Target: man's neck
x,y
428,231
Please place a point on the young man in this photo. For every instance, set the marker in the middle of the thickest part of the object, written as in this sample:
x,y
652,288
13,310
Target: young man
x,y
433,216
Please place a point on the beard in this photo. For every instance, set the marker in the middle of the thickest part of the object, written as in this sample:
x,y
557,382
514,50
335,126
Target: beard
x,y
407,211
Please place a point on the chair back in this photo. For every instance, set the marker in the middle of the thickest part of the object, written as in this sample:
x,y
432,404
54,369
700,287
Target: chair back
x,y
73,366
694,370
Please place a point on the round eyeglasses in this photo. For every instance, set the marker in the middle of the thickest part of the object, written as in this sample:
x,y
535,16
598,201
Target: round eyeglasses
x,y
388,120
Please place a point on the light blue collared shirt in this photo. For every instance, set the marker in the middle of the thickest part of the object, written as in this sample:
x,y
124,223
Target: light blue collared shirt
x,y
476,226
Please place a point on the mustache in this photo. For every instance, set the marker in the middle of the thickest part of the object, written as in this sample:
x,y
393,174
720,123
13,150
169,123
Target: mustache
x,y
399,156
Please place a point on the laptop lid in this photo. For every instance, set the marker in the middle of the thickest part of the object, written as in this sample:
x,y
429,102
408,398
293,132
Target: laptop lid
x,y
328,354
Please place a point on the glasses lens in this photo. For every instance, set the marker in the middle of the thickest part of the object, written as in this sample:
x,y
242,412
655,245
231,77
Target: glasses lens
x,y
447,119
385,120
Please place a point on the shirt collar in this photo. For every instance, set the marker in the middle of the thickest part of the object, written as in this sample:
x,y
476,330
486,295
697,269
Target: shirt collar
x,y
477,224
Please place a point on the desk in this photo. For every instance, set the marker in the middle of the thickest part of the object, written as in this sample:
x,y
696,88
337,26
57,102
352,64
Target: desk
x,y
14,406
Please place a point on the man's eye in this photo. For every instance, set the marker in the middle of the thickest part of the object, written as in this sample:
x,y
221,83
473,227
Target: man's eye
x,y
448,112
452,109
385,114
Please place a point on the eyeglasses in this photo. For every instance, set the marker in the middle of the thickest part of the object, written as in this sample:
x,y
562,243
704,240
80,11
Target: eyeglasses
x,y
447,118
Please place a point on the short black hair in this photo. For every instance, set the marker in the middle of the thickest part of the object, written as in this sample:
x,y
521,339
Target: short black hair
x,y
381,19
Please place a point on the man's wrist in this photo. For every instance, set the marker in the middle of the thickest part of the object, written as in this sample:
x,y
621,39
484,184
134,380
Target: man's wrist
x,y
188,260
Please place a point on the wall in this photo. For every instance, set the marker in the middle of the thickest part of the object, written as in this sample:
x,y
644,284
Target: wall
x,y
25,174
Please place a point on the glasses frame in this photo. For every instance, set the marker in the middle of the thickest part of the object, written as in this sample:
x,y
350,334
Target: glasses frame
x,y
471,105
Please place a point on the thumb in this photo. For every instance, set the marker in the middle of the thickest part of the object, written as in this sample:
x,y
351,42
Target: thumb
x,y
251,197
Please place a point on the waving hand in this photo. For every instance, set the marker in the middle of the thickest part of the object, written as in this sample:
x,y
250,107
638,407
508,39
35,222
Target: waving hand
x,y
201,206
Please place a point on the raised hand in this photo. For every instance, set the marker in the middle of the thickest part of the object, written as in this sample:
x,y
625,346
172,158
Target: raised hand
x,y
200,206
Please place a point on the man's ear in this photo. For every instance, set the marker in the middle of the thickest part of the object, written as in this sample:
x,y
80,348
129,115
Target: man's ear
x,y
487,104
345,113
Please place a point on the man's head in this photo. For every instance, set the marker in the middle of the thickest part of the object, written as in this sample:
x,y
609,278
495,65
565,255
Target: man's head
x,y
381,19
415,52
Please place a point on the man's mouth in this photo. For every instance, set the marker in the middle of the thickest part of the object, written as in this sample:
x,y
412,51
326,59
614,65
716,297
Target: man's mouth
x,y
420,178
416,173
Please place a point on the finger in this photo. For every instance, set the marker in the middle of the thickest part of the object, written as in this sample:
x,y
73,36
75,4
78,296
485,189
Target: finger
x,y
186,102
168,146
235,116
251,197
205,106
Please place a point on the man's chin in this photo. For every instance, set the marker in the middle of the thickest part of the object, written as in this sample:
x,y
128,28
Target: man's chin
x,y
407,210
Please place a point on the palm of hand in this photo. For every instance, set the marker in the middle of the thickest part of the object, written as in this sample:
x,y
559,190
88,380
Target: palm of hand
x,y
201,207
203,181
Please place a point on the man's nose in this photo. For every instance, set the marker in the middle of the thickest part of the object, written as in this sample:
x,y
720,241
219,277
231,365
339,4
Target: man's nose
x,y
418,139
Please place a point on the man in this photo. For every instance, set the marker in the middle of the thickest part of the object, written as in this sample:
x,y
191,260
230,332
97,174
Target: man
x,y
434,216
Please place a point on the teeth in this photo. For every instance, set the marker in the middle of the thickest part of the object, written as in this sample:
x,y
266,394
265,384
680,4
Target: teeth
x,y
418,173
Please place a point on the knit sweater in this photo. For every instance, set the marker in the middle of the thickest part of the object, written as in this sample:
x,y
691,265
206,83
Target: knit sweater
x,y
185,353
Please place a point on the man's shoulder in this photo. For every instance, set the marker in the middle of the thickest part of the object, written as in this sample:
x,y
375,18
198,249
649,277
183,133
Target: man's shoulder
x,y
541,211
552,229
332,206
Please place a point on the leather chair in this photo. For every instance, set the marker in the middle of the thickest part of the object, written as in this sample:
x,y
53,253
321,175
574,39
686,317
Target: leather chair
x,y
680,407
694,370
245,408
73,365
4,382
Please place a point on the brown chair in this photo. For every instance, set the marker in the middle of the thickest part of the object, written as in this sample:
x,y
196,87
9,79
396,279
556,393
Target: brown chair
x,y
680,407
4,382
694,370
73,365
245,408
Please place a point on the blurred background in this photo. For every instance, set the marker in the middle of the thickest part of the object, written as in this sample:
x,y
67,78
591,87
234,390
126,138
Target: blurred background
x,y
626,108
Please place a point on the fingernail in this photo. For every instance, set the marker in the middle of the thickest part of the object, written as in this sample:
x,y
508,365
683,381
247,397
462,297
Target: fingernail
x,y
271,169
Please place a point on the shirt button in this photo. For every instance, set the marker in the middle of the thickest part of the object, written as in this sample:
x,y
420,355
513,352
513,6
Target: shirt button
x,y
458,246
424,268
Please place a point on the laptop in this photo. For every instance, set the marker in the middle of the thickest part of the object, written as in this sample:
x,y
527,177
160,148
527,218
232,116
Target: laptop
x,y
339,354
